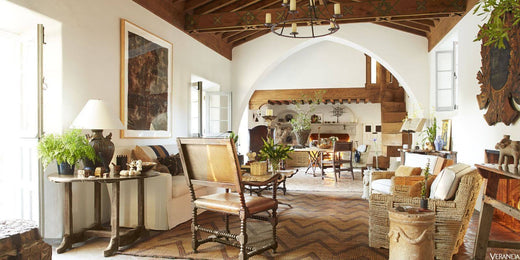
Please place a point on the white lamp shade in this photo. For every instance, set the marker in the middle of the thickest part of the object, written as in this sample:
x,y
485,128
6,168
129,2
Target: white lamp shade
x,y
96,115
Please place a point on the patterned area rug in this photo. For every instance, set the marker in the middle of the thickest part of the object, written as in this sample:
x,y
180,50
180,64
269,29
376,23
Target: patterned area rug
x,y
318,226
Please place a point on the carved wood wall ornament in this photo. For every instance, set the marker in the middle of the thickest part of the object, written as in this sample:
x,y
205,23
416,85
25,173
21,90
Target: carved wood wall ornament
x,y
499,77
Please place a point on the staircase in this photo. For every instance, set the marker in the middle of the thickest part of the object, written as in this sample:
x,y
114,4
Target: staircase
x,y
393,111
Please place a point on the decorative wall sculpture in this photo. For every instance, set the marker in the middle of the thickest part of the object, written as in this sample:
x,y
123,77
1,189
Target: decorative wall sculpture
x,y
499,77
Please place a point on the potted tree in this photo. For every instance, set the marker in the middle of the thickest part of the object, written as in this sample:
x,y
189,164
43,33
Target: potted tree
x,y
301,123
424,187
275,153
67,149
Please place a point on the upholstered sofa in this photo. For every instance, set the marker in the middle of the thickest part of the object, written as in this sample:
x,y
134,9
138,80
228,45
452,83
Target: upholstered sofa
x,y
452,215
383,181
167,198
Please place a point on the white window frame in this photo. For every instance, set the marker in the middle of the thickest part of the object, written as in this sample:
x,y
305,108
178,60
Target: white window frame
x,y
453,81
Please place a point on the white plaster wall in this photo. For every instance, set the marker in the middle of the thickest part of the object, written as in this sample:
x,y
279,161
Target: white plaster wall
x,y
404,54
470,132
90,51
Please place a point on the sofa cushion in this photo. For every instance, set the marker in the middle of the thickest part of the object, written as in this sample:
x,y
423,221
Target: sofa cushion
x,y
445,185
420,160
173,163
415,189
140,153
404,170
383,186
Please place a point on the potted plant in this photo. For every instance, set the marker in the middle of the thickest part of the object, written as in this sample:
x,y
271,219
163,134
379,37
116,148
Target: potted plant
x,y
430,133
301,123
424,187
67,149
275,153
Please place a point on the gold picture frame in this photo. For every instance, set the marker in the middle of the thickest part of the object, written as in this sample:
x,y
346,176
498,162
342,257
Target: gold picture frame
x,y
446,134
145,83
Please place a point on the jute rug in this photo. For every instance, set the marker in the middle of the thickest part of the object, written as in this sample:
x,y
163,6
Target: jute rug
x,y
318,226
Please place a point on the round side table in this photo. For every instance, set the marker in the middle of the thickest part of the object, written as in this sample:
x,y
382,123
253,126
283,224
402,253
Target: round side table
x,y
411,234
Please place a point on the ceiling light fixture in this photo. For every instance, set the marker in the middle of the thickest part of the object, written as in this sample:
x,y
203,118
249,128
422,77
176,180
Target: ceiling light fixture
x,y
293,16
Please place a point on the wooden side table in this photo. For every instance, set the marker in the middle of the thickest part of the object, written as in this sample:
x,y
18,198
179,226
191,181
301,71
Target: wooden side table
x,y
411,234
116,239
493,174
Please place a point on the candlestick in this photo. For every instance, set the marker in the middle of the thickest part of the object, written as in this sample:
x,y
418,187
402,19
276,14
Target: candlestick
x,y
268,112
337,9
294,28
292,6
268,18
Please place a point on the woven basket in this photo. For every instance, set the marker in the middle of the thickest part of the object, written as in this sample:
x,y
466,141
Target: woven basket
x,y
259,168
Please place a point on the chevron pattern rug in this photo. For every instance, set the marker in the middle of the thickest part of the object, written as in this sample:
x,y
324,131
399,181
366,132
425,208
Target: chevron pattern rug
x,y
318,226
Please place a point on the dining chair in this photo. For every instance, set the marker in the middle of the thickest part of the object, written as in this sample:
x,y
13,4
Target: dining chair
x,y
341,155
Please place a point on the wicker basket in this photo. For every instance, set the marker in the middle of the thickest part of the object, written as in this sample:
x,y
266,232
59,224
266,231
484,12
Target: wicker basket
x,y
259,168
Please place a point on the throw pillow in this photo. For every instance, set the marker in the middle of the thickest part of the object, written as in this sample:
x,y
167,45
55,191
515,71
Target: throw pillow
x,y
173,162
445,185
407,171
139,154
161,168
415,189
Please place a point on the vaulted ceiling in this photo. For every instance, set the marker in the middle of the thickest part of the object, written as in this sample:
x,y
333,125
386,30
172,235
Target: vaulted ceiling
x,y
224,24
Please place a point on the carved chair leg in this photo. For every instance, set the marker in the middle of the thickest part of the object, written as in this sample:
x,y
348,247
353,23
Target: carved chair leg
x,y
226,220
194,241
274,223
242,238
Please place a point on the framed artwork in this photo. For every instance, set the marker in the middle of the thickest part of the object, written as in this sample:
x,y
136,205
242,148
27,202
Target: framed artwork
x,y
146,83
316,118
446,134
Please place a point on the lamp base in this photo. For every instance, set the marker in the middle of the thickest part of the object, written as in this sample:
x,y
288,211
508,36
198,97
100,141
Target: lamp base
x,y
104,149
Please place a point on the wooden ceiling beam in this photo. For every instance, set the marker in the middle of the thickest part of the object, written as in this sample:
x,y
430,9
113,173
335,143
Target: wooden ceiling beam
x,y
192,4
402,28
426,22
240,36
350,11
238,5
213,6
414,26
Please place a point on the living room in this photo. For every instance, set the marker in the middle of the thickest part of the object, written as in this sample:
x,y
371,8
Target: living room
x,y
82,56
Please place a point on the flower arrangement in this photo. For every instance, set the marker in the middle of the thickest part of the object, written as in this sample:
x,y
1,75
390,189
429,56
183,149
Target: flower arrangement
x,y
302,119
274,152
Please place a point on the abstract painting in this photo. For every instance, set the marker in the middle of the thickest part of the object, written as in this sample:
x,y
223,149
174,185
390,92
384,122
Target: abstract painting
x,y
146,83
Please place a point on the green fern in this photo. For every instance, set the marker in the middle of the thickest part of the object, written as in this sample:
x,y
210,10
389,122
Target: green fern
x,y
70,147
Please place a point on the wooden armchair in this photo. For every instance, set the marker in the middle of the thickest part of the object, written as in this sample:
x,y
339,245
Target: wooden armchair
x,y
451,217
213,162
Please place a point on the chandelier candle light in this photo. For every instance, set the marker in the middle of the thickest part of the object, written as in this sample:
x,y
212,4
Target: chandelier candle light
x,y
311,18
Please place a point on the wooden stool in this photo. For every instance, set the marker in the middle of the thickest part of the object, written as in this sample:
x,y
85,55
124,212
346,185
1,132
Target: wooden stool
x,y
411,234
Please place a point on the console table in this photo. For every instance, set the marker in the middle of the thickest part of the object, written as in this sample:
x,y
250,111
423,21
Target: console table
x,y
493,174
444,154
97,230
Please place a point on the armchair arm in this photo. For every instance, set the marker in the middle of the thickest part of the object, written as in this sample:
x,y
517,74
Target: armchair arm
x,y
401,184
382,175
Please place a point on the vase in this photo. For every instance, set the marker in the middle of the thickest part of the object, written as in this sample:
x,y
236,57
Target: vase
x,y
302,136
439,143
424,203
65,169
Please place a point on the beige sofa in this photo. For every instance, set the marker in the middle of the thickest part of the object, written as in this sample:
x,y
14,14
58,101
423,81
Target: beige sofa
x,y
167,198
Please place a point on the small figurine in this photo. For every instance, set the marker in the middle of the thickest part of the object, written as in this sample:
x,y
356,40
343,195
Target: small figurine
x,y
510,148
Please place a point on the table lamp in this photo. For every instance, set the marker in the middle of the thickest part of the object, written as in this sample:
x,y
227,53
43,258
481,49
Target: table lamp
x,y
95,115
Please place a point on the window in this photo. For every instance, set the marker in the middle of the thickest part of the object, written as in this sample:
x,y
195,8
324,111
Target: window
x,y
210,109
446,82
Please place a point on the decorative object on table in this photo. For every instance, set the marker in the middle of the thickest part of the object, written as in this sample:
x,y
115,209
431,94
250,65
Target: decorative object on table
x,y
412,125
301,122
251,156
333,139
316,118
67,149
316,15
446,134
439,143
275,153
500,50
508,147
98,171
337,112
121,161
146,83
95,115
325,143
430,133
259,168
424,187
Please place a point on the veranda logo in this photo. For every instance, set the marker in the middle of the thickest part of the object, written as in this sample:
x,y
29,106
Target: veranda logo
x,y
496,256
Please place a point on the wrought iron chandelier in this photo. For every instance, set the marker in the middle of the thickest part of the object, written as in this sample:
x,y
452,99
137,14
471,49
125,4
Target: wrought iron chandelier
x,y
288,21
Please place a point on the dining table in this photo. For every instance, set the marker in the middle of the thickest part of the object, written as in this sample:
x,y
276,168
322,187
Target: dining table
x,y
315,158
